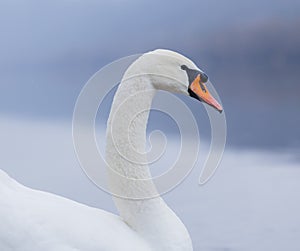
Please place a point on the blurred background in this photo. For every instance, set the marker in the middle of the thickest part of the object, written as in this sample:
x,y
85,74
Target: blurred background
x,y
249,49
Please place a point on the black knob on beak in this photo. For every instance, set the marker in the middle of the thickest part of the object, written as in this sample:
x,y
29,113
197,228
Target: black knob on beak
x,y
204,77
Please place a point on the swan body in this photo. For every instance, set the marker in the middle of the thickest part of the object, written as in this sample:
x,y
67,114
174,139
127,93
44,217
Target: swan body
x,y
34,220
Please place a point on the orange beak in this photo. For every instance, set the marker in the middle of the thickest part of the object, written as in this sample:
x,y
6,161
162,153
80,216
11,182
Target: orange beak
x,y
202,93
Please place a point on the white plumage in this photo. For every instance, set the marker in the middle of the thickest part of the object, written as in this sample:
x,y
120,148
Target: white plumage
x,y
33,220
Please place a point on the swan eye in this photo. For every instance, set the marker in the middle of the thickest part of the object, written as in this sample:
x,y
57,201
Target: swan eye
x,y
183,67
191,73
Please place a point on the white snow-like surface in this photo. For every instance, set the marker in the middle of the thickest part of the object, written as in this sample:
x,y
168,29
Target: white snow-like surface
x,y
252,203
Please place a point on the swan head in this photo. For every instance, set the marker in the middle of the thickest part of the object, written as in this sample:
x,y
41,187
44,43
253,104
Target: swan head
x,y
173,72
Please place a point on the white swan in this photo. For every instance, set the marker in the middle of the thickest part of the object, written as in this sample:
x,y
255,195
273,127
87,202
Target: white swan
x,y
32,220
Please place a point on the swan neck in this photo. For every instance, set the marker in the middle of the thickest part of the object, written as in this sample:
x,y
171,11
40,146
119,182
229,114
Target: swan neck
x,y
126,139
129,177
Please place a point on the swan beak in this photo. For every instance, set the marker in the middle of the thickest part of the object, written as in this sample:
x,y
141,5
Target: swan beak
x,y
200,92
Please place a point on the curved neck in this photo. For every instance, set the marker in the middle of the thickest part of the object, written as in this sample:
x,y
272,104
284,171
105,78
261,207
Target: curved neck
x,y
126,139
129,176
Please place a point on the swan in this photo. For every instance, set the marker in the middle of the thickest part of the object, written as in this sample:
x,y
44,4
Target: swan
x,y
33,220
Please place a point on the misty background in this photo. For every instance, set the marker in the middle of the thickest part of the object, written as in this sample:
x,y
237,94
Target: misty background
x,y
249,49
